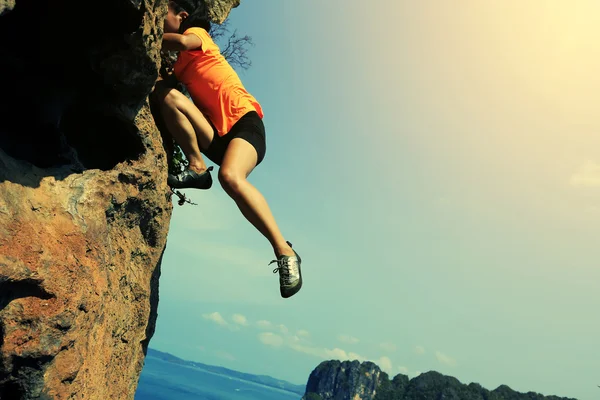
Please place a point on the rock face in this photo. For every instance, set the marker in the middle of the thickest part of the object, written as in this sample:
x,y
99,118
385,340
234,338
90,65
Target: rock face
x,y
79,267
333,380
6,6
218,10
84,204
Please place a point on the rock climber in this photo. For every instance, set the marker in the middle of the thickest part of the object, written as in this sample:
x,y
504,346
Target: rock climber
x,y
222,121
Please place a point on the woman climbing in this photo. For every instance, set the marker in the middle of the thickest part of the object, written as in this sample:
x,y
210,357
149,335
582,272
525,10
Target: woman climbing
x,y
222,121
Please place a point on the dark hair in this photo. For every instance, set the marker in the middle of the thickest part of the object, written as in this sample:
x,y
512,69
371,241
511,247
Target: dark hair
x,y
196,20
182,5
196,15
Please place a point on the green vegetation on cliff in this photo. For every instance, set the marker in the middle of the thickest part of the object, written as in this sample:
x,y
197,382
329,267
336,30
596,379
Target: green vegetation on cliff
x,y
335,380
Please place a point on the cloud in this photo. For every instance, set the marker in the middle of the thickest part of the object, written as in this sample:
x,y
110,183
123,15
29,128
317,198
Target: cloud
x,y
444,359
264,324
299,343
298,338
419,349
326,354
303,333
391,347
353,356
337,354
588,175
278,335
403,370
313,351
295,339
283,329
347,339
239,319
270,339
317,352
385,364
216,318
342,355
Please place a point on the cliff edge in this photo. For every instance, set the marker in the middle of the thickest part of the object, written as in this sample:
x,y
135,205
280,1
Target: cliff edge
x,y
84,204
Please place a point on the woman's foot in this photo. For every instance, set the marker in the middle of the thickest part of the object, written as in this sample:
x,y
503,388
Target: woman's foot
x,y
190,179
290,273
284,249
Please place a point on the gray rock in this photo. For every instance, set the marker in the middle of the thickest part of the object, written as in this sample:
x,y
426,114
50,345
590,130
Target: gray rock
x,y
335,380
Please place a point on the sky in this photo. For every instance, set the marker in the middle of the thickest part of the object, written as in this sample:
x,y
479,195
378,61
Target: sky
x,y
437,166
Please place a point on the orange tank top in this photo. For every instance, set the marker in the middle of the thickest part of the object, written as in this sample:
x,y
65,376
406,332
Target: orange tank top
x,y
213,84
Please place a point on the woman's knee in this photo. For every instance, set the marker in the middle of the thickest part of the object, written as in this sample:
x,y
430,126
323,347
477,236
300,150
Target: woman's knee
x,y
230,180
166,95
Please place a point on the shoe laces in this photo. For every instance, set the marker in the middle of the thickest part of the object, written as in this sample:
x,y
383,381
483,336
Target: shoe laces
x,y
287,268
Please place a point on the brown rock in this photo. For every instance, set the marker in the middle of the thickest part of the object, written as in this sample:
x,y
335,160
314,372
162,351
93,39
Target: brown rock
x,y
6,6
84,205
79,267
218,10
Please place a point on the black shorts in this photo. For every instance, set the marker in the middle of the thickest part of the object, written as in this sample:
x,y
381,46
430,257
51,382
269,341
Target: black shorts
x,y
250,128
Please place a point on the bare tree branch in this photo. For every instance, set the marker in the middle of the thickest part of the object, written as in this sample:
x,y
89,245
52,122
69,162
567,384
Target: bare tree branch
x,y
235,50
217,31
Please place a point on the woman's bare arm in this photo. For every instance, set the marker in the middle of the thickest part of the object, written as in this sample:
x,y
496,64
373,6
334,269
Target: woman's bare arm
x,y
179,42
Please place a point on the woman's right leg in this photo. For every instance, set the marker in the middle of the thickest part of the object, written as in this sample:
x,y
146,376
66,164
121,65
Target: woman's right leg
x,y
186,123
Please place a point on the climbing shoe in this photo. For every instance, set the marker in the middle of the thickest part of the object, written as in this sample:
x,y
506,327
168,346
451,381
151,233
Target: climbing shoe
x,y
290,273
189,179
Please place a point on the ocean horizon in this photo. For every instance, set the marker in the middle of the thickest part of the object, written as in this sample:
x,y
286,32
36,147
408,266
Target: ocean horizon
x,y
164,380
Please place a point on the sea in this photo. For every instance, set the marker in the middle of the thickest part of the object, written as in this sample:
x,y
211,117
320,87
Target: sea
x,y
162,380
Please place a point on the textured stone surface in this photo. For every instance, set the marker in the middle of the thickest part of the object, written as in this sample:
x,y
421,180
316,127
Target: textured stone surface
x,y
79,267
84,205
218,10
334,380
6,6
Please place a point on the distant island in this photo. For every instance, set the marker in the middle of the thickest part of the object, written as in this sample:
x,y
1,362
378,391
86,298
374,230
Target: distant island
x,y
352,380
330,380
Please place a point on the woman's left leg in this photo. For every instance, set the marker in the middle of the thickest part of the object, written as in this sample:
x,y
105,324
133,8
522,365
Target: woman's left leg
x,y
191,130
239,161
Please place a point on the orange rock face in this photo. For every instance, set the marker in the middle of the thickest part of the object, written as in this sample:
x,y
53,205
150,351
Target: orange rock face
x,y
79,267
84,204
